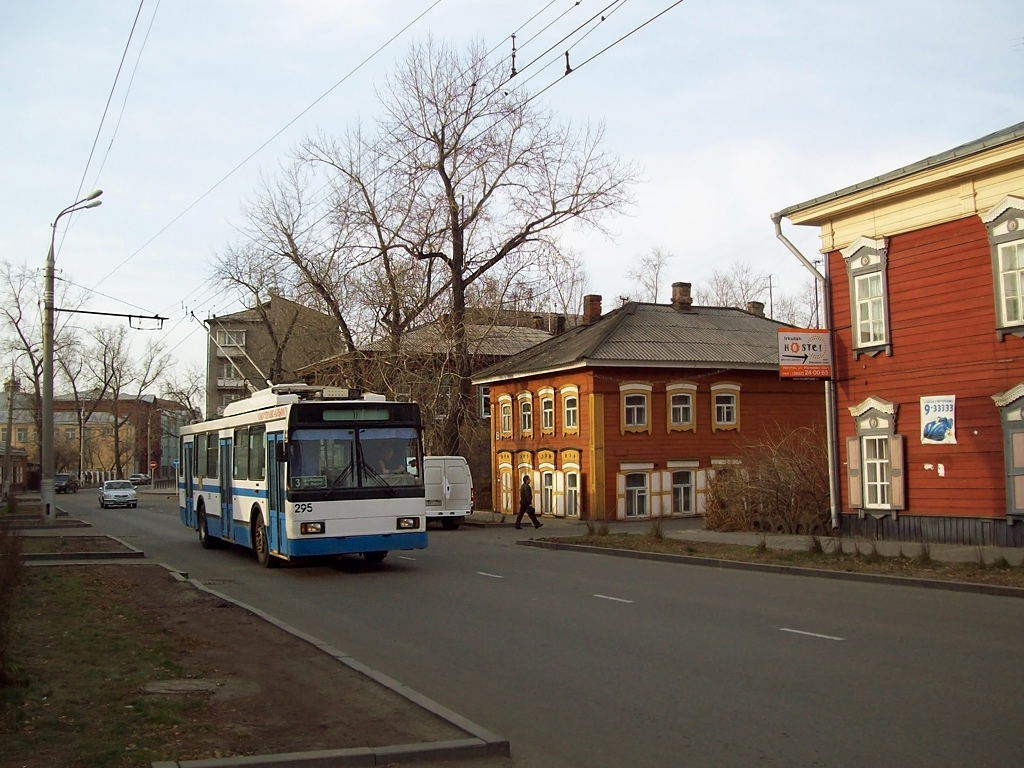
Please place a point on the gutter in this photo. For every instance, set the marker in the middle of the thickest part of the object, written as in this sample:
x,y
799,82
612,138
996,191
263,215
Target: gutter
x,y
831,425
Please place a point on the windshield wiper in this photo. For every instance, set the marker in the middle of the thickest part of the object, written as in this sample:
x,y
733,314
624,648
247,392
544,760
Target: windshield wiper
x,y
376,476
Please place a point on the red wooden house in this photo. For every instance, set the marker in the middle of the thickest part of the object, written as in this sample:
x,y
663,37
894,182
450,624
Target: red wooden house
x,y
925,284
628,415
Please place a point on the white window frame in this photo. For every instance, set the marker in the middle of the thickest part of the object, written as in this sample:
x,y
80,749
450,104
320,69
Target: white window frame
x,y
483,393
876,466
867,266
572,493
725,406
677,418
683,491
1005,225
231,338
547,411
637,496
525,400
505,415
570,410
875,459
636,416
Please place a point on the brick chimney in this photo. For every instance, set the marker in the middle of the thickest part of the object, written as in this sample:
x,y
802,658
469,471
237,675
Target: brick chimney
x,y
538,322
559,324
591,308
756,308
681,299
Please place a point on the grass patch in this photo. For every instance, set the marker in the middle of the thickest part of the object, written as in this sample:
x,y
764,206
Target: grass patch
x,y
860,561
66,545
85,682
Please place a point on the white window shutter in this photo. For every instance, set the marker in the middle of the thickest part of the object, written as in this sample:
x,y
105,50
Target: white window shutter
x,y
896,474
855,489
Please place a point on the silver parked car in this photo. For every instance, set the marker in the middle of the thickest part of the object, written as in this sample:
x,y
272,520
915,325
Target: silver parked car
x,y
118,493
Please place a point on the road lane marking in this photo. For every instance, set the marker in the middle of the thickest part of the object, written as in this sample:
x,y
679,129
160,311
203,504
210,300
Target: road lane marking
x,y
490,575
616,599
810,634
403,557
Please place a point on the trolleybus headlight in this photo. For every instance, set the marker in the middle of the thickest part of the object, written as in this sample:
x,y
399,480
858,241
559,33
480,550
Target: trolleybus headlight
x,y
406,523
311,528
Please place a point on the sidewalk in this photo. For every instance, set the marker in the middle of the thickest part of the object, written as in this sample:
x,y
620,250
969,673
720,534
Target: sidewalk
x,y
692,529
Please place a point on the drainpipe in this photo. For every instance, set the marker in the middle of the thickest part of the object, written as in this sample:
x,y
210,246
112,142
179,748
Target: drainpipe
x,y
831,425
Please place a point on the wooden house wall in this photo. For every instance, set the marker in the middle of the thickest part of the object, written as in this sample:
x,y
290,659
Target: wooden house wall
x,y
765,402
942,329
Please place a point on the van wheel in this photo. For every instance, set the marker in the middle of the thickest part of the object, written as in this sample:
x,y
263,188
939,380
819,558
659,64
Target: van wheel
x,y
374,557
450,524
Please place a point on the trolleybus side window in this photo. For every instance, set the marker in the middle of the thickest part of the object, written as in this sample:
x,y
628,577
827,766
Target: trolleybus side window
x,y
200,457
240,457
257,452
212,454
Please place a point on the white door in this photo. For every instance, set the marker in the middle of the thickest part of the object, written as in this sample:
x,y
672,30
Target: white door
x,y
458,486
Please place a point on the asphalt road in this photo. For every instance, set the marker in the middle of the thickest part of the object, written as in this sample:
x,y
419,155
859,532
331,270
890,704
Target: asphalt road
x,y
588,660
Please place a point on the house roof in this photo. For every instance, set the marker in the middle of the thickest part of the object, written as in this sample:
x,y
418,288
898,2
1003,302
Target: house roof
x,y
487,340
484,340
1004,136
645,335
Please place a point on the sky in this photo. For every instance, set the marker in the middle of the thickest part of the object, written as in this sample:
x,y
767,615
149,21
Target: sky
x,y
732,111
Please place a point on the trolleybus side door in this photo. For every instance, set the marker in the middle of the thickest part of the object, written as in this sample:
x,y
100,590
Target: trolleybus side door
x,y
226,496
275,494
187,471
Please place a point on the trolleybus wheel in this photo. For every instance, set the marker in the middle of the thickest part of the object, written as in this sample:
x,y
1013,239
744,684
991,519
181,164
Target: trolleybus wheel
x,y
206,541
261,544
374,557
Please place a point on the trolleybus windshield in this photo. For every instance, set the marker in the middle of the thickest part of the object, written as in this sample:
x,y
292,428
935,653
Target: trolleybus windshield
x,y
369,457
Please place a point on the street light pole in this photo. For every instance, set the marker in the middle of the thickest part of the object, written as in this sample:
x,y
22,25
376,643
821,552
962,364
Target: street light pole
x,y
46,491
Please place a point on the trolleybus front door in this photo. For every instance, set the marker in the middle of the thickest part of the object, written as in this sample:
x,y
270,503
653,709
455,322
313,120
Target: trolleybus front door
x,y
226,496
275,494
188,509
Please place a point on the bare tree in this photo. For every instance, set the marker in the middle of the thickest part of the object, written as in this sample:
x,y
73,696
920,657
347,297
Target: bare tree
x,y
494,175
185,387
21,328
647,273
733,287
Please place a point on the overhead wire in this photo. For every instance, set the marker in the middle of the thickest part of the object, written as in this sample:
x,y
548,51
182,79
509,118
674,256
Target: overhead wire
x,y
262,146
128,90
103,117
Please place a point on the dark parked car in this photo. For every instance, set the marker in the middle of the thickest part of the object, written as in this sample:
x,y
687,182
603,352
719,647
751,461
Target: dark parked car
x,y
65,483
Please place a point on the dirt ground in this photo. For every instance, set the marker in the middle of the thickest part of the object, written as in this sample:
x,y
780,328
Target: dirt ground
x,y
268,691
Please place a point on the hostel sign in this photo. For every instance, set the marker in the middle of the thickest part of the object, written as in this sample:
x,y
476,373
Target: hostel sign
x,y
804,354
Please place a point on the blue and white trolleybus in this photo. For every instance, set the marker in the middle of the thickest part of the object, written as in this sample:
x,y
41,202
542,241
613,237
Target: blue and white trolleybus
x,y
297,470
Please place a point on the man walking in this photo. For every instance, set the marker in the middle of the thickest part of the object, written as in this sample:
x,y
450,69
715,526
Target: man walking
x,y
526,504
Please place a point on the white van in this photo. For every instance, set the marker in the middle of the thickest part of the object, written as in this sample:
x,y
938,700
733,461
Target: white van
x,y
448,490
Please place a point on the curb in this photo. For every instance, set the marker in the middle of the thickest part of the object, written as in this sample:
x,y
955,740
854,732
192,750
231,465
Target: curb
x,y
483,743
790,570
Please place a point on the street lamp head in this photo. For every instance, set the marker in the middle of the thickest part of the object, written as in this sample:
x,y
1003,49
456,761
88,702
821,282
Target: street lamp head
x,y
94,194
93,204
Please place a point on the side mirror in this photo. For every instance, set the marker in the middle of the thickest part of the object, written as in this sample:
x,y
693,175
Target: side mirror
x,y
281,451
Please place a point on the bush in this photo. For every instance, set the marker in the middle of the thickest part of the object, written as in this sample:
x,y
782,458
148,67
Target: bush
x,y
780,485
10,577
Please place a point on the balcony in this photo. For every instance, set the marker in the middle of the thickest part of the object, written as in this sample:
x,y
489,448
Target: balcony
x,y
230,383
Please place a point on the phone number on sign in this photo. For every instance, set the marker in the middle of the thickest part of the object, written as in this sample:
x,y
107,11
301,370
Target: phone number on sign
x,y
806,371
930,408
